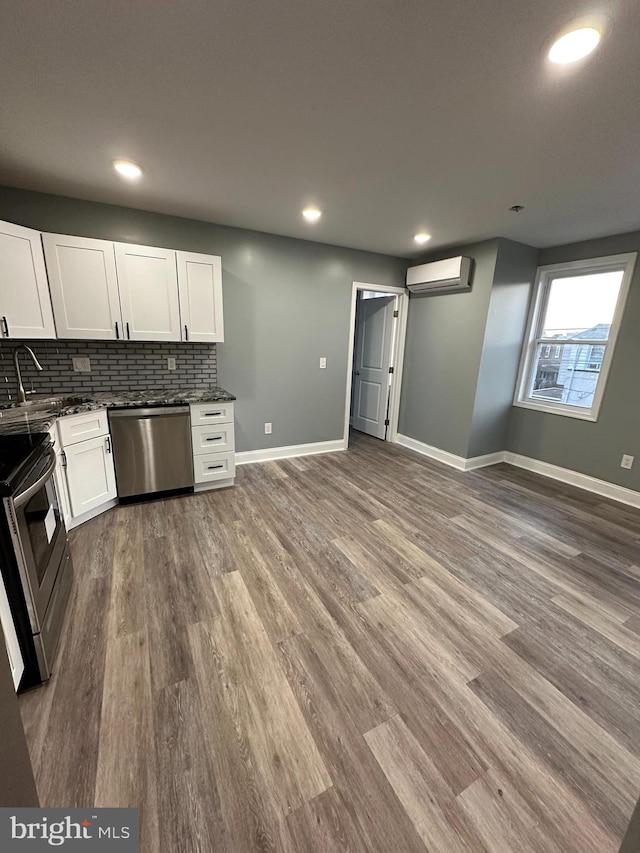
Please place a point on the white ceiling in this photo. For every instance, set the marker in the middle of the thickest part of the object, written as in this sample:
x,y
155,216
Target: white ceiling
x,y
392,115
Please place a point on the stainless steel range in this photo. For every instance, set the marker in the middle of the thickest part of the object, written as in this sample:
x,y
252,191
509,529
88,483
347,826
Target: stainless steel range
x,y
36,563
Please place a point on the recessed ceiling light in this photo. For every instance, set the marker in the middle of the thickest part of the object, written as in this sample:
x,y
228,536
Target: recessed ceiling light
x,y
311,214
422,237
127,169
574,45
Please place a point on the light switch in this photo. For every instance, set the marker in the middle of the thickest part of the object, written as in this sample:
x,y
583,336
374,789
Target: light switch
x,y
323,363
171,363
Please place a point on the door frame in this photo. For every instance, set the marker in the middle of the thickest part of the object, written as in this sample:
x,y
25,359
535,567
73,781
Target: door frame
x,y
397,354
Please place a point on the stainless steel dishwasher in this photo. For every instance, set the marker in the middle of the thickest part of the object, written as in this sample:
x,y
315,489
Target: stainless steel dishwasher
x,y
152,449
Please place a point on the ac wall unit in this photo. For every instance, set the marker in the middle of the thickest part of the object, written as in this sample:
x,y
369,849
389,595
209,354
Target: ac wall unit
x,y
449,276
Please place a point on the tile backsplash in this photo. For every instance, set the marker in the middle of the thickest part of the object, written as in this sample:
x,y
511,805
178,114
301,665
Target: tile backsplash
x,y
115,366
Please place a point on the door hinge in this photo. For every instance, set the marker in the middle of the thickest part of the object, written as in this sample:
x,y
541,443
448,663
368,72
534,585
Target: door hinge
x,y
396,313
391,370
386,423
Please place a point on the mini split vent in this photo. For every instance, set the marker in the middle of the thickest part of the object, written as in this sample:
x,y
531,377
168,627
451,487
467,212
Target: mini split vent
x,y
449,276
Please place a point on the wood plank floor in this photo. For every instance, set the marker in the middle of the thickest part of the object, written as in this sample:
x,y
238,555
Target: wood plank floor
x,y
362,651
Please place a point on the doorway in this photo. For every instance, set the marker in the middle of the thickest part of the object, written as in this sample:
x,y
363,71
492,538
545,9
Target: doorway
x,y
376,349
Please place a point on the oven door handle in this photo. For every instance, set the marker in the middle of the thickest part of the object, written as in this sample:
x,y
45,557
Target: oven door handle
x,y
21,498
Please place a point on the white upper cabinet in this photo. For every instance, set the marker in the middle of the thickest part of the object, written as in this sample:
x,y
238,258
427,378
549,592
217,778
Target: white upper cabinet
x,y
148,293
25,305
84,287
200,288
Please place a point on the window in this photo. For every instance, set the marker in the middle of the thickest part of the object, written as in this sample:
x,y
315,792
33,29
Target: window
x,y
573,325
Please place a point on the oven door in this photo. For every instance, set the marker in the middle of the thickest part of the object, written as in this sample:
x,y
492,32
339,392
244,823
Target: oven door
x,y
42,536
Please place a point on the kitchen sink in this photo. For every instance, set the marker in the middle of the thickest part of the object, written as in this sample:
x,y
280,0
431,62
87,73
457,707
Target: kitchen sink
x,y
35,402
39,402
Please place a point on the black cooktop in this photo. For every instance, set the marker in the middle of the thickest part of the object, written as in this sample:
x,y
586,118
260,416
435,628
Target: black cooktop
x,y
18,454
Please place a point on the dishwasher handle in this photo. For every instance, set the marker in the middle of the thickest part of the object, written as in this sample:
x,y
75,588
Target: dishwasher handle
x,y
154,412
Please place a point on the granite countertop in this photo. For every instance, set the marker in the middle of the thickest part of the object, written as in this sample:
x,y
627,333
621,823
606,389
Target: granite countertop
x,y
39,414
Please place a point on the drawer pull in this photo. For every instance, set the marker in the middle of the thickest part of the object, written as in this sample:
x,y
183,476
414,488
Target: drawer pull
x,y
212,414
215,438
214,467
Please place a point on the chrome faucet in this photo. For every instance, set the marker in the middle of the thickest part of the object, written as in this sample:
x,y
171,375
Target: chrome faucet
x,y
22,396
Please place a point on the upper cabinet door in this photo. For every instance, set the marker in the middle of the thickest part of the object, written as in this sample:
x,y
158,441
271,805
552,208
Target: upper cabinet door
x,y
84,287
200,288
148,293
25,304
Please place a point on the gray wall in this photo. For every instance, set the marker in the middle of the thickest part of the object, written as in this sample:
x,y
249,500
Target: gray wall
x,y
594,448
286,303
115,365
512,285
17,786
445,335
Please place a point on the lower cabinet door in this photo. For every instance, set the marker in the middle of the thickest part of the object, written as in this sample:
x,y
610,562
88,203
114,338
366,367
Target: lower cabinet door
x,y
91,477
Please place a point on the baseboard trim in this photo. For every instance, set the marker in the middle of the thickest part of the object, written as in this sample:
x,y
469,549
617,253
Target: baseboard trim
x,y
271,454
460,463
485,461
432,452
575,478
564,475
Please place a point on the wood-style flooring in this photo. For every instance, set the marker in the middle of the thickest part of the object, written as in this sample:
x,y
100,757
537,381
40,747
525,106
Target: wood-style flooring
x,y
362,651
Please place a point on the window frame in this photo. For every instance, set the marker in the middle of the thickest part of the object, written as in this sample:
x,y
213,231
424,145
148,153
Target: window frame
x,y
533,335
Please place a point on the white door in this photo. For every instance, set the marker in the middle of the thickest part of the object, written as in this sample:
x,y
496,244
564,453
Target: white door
x,y
200,289
91,477
84,287
10,636
148,292
372,359
25,304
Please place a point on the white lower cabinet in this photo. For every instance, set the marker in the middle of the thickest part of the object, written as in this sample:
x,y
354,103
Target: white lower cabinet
x,y
213,439
89,473
213,467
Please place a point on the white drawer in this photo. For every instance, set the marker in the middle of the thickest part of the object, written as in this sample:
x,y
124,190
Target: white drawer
x,y
213,466
75,428
217,438
211,413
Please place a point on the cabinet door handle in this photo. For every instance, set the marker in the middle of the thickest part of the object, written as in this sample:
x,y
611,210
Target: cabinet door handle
x,y
186,332
213,467
108,443
64,459
128,332
5,327
117,331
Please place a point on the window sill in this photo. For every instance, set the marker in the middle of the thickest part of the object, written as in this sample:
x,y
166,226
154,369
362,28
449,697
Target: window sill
x,y
587,415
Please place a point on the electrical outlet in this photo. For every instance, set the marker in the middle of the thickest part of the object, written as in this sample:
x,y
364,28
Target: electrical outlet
x,y
171,363
627,461
267,429
81,364
323,363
